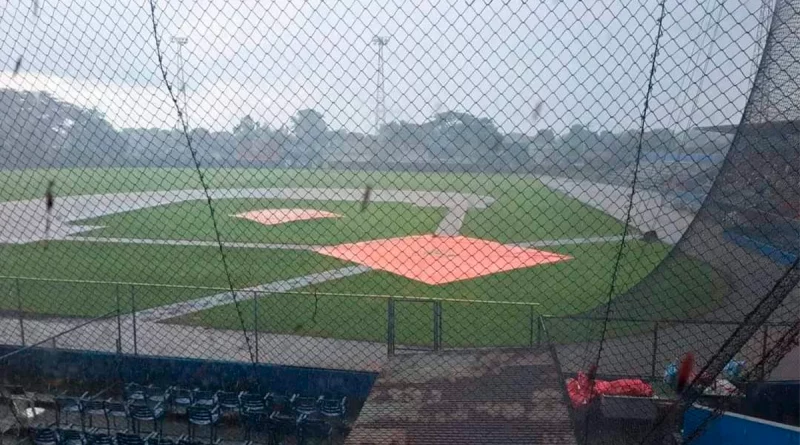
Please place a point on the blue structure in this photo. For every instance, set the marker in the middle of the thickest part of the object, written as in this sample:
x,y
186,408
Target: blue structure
x,y
780,243
100,369
737,429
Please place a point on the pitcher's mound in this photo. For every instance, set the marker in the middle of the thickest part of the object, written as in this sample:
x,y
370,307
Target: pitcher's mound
x,y
440,259
270,217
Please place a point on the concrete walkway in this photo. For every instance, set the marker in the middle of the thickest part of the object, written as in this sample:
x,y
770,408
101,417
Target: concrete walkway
x,y
170,340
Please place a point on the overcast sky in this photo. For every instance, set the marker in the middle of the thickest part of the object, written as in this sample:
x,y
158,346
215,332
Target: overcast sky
x,y
587,61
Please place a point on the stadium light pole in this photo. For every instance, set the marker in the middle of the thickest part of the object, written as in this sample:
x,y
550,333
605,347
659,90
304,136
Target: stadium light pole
x,y
181,42
380,94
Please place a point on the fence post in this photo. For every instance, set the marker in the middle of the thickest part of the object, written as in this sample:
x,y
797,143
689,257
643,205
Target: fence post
x,y
119,320
539,328
655,351
18,291
437,325
765,332
133,317
390,327
530,326
255,321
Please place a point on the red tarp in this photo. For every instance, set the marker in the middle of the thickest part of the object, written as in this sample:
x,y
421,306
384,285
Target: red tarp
x,y
580,391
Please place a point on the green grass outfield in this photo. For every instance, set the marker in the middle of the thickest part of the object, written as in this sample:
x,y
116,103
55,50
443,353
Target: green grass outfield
x,y
565,288
524,210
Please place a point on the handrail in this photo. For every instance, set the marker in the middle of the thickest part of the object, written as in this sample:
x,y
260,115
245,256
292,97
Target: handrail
x,y
658,320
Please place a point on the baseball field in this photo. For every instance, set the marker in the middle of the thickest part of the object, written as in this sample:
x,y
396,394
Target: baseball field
x,y
320,258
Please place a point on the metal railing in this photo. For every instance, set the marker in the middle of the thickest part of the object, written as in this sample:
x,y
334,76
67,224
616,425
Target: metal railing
x,y
408,323
657,329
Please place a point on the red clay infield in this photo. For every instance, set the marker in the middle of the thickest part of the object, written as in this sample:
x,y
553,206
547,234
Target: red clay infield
x,y
440,259
270,217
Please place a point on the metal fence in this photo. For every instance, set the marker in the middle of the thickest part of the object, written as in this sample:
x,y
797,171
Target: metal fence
x,y
329,184
396,325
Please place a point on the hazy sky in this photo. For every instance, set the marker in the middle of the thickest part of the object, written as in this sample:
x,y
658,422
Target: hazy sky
x,y
588,61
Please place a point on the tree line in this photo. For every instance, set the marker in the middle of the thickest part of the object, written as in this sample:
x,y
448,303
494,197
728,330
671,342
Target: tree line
x,y
37,130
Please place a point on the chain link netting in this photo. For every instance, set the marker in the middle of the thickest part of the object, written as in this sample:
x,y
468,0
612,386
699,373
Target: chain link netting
x,y
336,185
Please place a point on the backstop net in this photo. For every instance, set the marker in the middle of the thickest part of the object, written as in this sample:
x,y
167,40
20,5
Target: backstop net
x,y
330,184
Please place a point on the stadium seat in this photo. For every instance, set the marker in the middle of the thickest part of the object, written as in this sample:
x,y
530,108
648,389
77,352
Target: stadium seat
x,y
45,436
307,404
313,427
282,426
202,415
253,421
146,413
95,408
204,398
69,436
135,392
157,394
280,402
333,408
99,439
116,409
181,398
67,405
228,401
252,403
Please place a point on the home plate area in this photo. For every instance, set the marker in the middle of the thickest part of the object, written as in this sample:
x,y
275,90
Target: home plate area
x,y
435,259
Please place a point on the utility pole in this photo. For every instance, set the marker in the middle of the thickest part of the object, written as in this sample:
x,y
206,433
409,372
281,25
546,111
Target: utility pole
x,y
181,42
380,94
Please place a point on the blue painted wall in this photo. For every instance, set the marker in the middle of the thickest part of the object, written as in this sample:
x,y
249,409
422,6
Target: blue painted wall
x,y
98,368
774,253
736,429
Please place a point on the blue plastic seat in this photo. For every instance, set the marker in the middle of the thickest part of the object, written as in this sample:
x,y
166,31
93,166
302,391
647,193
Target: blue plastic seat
x,y
116,409
135,392
313,427
228,401
45,436
307,404
99,439
66,405
130,439
71,437
146,413
201,415
252,403
95,408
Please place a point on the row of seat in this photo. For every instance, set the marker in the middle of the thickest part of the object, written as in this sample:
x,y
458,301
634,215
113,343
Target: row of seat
x,y
73,436
179,399
277,427
274,413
